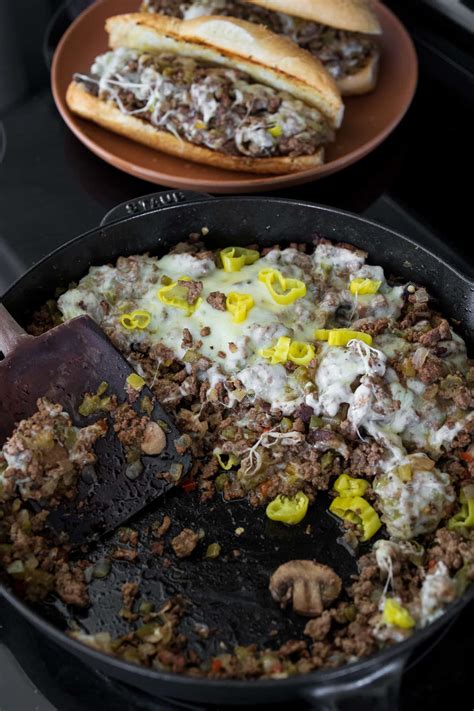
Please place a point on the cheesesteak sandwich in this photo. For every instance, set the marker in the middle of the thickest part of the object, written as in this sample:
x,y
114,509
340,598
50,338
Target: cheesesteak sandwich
x,y
213,90
340,33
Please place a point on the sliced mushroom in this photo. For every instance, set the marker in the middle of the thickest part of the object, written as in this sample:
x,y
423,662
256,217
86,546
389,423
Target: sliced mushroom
x,y
309,586
154,439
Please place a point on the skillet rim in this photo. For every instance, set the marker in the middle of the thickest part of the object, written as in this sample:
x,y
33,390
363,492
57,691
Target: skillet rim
x,y
244,198
360,668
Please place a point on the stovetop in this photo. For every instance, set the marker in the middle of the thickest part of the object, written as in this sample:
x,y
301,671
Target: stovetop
x,y
52,189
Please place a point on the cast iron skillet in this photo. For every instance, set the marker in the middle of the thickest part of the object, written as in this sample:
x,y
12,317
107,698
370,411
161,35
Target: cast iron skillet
x,y
231,593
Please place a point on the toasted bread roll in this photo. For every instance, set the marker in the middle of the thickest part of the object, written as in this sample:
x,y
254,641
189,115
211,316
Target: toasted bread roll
x,y
351,15
362,82
109,116
268,58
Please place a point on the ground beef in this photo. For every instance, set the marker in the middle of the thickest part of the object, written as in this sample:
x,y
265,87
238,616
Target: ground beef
x,y
211,106
159,353
129,425
71,586
454,387
365,459
185,542
319,627
129,593
431,370
446,549
126,554
372,326
160,530
324,440
193,289
217,300
166,391
442,332
187,341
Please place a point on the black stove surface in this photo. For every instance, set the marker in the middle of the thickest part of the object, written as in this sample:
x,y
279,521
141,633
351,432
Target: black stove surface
x,y
418,182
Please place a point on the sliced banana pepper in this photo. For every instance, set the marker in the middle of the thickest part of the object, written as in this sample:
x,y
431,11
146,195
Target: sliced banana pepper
x,y
364,286
464,518
283,290
290,510
341,336
135,319
357,510
395,614
285,349
234,258
232,460
346,485
275,130
239,305
176,295
300,352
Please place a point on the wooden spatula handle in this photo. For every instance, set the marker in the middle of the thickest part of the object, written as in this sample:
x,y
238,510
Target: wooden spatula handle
x,y
11,334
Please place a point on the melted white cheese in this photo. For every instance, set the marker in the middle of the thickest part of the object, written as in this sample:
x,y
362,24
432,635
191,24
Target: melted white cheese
x,y
271,383
338,368
266,321
394,414
438,589
411,508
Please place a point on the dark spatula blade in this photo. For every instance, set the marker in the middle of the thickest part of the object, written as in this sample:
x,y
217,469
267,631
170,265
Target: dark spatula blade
x,y
62,365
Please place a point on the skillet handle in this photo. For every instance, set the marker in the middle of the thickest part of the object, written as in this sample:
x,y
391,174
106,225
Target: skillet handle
x,y
11,333
377,691
151,203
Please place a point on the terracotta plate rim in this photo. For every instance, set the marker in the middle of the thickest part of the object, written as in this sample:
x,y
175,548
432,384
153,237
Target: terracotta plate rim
x,y
242,184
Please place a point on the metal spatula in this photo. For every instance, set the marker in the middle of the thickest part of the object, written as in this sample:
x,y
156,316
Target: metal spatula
x,y
62,365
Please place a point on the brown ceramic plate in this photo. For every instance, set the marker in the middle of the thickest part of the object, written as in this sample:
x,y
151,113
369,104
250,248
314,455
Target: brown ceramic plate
x,y
368,119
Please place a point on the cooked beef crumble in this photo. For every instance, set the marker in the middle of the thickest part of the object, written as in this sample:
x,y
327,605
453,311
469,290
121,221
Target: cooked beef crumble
x,y
343,53
41,462
394,413
210,106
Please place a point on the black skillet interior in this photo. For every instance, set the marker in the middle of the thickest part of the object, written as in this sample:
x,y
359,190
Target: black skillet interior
x,y
228,594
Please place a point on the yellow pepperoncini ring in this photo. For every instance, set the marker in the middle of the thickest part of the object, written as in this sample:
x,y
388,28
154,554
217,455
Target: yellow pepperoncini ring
x,y
357,510
341,336
285,349
176,295
135,319
232,460
364,286
300,353
464,518
234,258
395,614
275,130
239,305
289,289
290,510
279,352
135,381
346,485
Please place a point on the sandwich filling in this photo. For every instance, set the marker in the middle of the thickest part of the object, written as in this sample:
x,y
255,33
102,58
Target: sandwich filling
x,y
342,53
210,106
